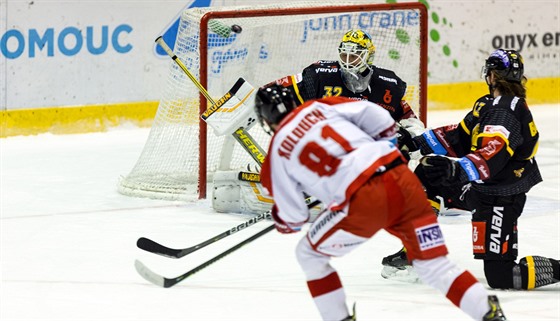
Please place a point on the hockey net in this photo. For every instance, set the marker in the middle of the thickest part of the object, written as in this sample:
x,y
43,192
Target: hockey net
x,y
181,155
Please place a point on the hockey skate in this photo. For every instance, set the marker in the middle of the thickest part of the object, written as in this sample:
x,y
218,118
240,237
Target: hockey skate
x,y
495,313
353,316
396,267
443,211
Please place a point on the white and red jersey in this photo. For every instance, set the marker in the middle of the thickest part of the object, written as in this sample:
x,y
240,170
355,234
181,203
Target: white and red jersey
x,y
327,148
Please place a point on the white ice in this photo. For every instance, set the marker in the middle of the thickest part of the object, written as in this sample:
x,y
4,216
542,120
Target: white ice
x,y
68,244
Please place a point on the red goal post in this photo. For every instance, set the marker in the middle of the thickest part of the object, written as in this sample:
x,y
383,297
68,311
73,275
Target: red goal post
x,y
275,41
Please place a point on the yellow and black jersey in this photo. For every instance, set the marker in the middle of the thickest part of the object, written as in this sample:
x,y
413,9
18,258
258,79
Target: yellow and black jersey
x,y
496,143
323,79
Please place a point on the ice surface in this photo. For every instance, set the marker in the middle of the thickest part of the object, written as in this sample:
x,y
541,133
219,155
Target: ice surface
x,y
68,244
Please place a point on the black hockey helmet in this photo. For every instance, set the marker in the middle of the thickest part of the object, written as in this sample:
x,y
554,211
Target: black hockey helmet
x,y
273,103
508,64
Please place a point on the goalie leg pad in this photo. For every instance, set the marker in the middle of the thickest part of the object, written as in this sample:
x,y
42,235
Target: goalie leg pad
x,y
242,192
234,195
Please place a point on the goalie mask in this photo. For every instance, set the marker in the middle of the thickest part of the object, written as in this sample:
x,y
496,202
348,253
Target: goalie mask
x,y
272,104
355,55
507,64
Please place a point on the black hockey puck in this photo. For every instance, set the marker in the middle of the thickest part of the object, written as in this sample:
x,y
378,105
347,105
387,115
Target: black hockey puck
x,y
236,28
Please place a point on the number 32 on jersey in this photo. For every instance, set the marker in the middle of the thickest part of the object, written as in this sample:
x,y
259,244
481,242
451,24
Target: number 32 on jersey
x,y
331,91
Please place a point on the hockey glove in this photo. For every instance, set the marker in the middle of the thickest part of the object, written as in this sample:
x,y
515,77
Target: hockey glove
x,y
406,144
281,226
413,125
441,170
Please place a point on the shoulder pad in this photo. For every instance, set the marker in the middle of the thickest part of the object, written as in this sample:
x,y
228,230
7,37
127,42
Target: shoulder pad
x,y
486,99
511,102
385,74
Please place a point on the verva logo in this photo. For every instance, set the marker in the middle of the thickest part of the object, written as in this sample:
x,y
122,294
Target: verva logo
x,y
496,227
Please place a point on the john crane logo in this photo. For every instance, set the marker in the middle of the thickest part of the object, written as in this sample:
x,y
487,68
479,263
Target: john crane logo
x,y
399,20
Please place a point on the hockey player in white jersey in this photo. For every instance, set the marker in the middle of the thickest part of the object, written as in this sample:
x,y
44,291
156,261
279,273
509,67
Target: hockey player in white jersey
x,y
344,153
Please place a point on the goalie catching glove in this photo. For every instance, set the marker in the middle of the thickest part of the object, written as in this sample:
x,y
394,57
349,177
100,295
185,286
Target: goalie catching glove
x,y
441,170
283,227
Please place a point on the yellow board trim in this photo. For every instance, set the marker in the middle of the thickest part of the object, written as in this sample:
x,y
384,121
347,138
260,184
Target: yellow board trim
x,y
96,118
76,119
463,95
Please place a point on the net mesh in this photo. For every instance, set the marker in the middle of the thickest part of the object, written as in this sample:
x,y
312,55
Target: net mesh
x,y
268,48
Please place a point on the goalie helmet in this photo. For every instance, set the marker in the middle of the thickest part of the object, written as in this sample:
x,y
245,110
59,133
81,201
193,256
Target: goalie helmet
x,y
356,50
355,55
272,104
508,64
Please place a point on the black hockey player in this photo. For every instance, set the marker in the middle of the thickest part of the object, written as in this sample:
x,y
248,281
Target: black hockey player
x,y
355,76
488,167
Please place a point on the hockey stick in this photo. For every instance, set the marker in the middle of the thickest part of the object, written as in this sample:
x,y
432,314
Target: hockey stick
x,y
156,248
157,279
240,135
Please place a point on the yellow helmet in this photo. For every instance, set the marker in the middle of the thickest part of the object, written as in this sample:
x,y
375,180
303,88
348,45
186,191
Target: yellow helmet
x,y
356,50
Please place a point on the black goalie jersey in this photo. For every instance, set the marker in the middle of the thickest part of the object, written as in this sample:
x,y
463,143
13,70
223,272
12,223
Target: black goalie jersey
x,y
323,79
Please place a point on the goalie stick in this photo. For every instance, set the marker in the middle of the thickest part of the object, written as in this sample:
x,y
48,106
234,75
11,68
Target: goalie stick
x,y
241,135
162,281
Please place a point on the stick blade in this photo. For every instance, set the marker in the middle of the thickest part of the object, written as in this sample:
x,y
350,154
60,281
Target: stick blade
x,y
156,248
149,275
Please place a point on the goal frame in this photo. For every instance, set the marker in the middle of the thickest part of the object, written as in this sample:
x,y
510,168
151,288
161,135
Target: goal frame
x,y
203,69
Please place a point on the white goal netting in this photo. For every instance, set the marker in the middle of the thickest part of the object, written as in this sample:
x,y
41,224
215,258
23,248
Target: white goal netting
x,y
273,44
